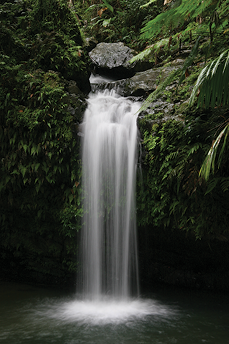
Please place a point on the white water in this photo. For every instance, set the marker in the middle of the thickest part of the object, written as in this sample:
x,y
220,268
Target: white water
x,y
104,311
109,247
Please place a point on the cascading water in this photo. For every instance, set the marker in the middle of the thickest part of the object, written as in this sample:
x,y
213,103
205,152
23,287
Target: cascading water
x,y
109,248
102,311
108,291
33,315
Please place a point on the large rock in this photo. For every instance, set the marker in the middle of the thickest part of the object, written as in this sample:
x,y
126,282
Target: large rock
x,y
113,59
142,83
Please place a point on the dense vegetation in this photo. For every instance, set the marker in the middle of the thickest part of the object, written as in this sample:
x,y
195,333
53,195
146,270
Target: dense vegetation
x,y
42,47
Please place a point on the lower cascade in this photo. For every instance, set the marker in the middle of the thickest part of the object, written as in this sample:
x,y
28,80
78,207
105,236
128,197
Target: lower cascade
x,y
109,245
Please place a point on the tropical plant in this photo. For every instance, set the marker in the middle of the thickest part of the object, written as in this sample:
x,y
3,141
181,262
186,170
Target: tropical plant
x,y
212,87
180,13
178,73
39,163
111,20
209,162
213,83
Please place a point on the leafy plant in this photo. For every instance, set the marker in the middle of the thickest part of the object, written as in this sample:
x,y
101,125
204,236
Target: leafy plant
x,y
39,147
209,162
213,83
117,20
177,16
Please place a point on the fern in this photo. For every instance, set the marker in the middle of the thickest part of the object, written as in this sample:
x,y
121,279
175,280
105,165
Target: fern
x,y
176,17
213,83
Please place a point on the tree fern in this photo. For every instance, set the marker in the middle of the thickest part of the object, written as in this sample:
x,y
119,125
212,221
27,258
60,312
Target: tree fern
x,y
213,83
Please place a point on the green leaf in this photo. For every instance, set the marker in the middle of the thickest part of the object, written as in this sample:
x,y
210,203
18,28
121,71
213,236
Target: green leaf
x,y
212,184
37,166
15,172
213,83
148,3
209,162
23,170
108,5
70,198
25,147
106,22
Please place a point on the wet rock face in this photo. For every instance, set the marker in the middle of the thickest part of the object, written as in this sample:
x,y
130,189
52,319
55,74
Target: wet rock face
x,y
142,83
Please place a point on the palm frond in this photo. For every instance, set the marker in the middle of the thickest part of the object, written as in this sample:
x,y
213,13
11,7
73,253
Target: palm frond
x,y
225,184
209,162
213,83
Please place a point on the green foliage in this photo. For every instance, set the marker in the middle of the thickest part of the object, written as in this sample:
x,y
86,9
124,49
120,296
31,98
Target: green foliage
x,y
171,193
189,60
177,16
213,87
148,3
39,147
49,15
37,166
106,3
213,83
154,95
122,20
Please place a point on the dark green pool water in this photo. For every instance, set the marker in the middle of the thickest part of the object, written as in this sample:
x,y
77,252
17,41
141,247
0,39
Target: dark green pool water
x,y
32,315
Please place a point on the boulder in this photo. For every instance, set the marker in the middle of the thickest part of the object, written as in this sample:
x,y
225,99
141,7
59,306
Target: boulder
x,y
113,59
142,83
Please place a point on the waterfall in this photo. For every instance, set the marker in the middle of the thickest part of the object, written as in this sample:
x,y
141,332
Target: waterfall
x,y
109,246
